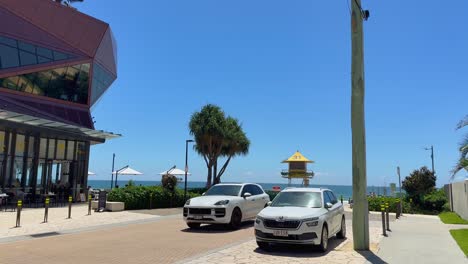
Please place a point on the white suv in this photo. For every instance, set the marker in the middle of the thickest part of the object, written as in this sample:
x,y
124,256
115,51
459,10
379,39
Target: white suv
x,y
301,216
226,204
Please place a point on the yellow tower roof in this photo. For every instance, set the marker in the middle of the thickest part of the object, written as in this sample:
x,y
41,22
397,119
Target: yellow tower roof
x,y
298,157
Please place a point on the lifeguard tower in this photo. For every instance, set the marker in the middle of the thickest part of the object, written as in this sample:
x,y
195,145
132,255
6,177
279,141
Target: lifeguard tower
x,y
298,169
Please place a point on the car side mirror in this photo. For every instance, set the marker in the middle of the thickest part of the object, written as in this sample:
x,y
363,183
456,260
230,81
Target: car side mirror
x,y
247,195
328,205
203,194
269,203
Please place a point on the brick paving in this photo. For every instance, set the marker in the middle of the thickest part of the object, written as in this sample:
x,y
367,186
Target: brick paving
x,y
164,241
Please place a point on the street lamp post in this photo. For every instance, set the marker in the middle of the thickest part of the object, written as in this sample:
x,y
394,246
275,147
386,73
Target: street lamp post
x,y
112,171
432,157
186,167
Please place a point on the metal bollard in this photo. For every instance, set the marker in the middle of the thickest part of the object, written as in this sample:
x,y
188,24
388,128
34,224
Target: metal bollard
x,y
341,199
46,210
151,201
382,208
70,199
89,204
19,205
398,208
388,217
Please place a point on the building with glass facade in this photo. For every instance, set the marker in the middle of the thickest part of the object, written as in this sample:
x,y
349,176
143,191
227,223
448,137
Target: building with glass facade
x,y
55,64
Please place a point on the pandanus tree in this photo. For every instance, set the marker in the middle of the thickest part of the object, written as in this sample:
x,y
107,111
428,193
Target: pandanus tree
x,y
217,136
463,161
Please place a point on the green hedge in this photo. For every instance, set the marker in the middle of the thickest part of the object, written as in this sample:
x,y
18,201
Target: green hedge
x,y
376,202
142,197
272,194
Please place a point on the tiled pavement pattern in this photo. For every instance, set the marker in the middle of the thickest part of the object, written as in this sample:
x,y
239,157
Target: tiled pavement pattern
x,y
32,220
340,252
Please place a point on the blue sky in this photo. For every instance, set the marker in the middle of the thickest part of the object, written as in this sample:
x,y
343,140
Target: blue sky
x,y
283,69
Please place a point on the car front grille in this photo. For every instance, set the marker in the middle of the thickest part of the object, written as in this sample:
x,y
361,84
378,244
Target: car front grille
x,y
288,224
305,236
200,211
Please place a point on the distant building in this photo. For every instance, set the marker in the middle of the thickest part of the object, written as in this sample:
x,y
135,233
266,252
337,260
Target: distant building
x,y
55,64
297,169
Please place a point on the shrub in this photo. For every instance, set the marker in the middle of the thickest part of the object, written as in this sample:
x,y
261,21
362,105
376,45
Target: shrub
x,y
376,202
272,194
144,197
435,201
169,182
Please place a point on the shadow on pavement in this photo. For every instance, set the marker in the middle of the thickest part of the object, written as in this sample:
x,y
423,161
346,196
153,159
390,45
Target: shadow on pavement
x,y
300,251
371,257
218,228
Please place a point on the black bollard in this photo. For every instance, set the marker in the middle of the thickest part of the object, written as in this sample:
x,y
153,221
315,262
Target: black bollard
x,y
382,208
387,216
89,204
19,205
398,208
46,210
151,201
70,199
341,199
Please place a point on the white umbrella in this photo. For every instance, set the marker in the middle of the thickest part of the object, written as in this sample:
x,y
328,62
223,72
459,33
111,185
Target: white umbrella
x,y
91,173
128,171
125,171
173,172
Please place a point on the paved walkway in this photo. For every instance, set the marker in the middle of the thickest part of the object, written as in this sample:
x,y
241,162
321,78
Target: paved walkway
x,y
32,220
420,239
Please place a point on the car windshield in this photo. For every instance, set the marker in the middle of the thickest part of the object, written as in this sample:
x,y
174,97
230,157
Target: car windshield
x,y
230,190
298,199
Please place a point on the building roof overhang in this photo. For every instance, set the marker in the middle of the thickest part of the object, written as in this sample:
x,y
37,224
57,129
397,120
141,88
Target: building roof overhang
x,y
97,136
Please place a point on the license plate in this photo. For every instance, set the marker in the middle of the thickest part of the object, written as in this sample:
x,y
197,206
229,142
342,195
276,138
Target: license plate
x,y
197,217
281,233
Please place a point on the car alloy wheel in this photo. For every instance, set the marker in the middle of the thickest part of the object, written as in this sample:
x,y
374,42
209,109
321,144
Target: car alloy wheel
x,y
324,242
342,233
236,218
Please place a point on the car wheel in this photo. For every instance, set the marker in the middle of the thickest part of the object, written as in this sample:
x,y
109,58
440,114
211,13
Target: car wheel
x,y
342,233
236,219
193,225
263,245
324,240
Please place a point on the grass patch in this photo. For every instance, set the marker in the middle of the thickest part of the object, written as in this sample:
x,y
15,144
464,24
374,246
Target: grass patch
x,y
461,236
452,218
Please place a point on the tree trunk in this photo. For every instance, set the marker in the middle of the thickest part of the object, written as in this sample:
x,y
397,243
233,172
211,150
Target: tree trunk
x,y
208,178
223,169
215,172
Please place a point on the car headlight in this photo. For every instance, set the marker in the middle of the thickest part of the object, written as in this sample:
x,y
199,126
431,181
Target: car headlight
x,y
311,221
222,202
187,202
258,220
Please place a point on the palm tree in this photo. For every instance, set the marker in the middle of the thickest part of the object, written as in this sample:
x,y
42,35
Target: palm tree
x,y
207,128
463,161
236,143
217,136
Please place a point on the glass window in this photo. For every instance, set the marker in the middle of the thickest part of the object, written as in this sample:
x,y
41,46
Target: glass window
x,y
43,60
10,82
332,197
43,148
51,149
31,147
70,149
2,142
257,189
60,55
60,150
26,47
8,57
67,83
27,58
326,198
101,81
298,199
19,150
8,41
46,53
229,190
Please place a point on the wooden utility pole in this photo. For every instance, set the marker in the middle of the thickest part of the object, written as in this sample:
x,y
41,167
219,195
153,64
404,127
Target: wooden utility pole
x,y
360,206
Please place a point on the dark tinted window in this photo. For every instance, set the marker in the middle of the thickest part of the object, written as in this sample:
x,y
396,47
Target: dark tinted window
x,y
297,199
68,83
333,197
326,198
256,190
230,190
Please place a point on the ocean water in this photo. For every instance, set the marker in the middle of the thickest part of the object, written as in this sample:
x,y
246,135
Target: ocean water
x,y
340,190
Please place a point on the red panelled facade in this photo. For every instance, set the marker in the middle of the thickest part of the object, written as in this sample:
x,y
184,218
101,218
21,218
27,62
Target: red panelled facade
x,y
55,64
